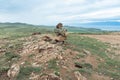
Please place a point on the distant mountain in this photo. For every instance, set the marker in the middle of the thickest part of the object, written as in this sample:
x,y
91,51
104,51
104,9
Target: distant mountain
x,y
17,24
69,28
109,25
82,29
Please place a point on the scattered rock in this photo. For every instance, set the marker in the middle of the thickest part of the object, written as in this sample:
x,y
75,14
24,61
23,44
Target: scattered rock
x,y
79,76
35,64
22,63
53,77
65,67
13,71
46,38
44,51
33,76
59,57
36,33
78,66
50,77
2,50
41,50
86,52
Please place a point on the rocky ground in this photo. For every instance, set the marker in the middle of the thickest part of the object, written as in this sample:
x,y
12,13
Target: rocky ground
x,y
53,61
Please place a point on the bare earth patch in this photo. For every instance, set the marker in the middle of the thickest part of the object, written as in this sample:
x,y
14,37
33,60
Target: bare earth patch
x,y
113,39
100,77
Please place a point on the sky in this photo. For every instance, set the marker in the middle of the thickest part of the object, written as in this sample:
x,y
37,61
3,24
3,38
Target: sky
x,y
69,12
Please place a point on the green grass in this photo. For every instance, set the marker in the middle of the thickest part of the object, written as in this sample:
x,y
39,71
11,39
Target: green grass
x,y
80,55
13,32
84,65
4,64
86,68
6,61
97,48
92,45
52,64
85,71
10,55
77,43
16,30
110,67
26,71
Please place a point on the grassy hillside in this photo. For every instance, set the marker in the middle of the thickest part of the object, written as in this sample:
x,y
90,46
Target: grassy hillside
x,y
97,48
23,29
83,30
14,30
90,54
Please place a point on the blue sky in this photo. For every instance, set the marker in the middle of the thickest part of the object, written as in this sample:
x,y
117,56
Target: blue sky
x,y
69,12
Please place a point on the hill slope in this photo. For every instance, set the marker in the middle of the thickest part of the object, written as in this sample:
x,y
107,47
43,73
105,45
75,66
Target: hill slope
x,y
70,28
24,56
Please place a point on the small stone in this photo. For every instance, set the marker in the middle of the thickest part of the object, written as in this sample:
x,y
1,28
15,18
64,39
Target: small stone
x,y
86,52
79,76
22,63
34,77
13,71
59,57
35,65
53,77
112,78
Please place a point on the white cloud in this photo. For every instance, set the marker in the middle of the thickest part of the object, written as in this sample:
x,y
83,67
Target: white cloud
x,y
102,14
52,11
5,18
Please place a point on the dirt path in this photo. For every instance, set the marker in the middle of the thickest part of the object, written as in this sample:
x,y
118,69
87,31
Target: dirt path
x,y
113,39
